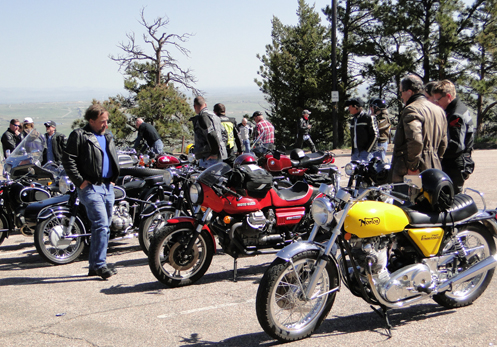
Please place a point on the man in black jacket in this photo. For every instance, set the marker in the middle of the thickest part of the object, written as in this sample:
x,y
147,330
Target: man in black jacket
x,y
148,133
363,130
91,162
303,128
457,161
56,143
11,138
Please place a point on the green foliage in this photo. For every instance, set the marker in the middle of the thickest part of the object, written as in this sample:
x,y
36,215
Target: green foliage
x,y
296,76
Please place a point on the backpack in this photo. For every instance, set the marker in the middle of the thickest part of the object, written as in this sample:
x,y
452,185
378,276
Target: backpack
x,y
254,179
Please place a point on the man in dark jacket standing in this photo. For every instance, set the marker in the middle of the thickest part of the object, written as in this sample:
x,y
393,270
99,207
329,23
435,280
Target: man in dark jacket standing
x,y
56,143
363,130
421,136
209,146
457,161
91,162
303,128
148,133
12,137
231,137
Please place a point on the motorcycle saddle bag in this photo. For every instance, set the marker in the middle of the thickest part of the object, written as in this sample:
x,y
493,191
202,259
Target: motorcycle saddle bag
x,y
254,179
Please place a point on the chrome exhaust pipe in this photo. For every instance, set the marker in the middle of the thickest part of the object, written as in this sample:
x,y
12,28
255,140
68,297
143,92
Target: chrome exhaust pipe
x,y
483,266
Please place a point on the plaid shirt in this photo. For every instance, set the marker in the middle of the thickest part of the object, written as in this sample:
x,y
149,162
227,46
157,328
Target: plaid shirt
x,y
265,128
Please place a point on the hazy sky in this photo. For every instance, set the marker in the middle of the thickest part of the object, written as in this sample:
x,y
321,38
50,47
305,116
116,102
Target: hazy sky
x,y
66,44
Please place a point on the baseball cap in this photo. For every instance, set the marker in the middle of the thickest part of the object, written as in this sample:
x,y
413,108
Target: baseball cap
x,y
256,113
50,123
28,120
306,112
354,102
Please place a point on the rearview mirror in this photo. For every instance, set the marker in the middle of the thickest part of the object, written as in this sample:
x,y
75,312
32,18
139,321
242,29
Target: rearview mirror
x,y
413,181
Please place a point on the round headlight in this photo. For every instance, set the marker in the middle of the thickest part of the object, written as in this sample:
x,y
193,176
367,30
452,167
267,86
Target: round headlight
x,y
350,169
196,193
322,211
168,177
66,185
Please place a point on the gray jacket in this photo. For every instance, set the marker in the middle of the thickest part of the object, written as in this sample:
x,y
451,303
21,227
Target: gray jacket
x,y
207,128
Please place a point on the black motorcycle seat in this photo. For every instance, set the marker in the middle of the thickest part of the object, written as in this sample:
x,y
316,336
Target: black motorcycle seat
x,y
295,192
154,179
137,184
140,171
315,158
463,208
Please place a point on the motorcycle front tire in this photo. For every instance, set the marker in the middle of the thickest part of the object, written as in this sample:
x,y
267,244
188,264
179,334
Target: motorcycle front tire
x,y
4,224
168,261
464,294
52,247
281,310
150,225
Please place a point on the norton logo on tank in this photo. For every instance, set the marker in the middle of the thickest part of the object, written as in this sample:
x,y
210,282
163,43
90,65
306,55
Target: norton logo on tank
x,y
369,221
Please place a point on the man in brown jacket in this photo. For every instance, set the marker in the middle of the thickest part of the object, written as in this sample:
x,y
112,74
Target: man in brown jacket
x,y
421,137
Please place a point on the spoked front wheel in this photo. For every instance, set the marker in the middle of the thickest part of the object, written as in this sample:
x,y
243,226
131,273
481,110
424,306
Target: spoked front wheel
x,y
150,225
170,261
282,309
476,237
51,241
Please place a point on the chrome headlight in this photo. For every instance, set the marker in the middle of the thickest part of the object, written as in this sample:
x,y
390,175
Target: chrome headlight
x,y
7,168
322,211
350,169
66,185
196,193
168,177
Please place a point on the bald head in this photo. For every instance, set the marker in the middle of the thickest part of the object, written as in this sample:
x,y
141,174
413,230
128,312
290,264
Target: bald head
x,y
139,122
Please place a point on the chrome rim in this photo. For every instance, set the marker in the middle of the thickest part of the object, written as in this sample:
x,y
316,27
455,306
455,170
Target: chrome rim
x,y
56,246
288,308
470,239
156,223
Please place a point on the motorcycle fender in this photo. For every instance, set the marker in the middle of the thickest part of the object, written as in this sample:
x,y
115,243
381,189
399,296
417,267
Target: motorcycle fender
x,y
151,209
49,211
191,220
297,247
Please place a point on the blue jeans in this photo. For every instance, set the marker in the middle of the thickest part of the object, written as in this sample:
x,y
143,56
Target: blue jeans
x,y
360,155
205,163
246,144
158,147
99,203
381,150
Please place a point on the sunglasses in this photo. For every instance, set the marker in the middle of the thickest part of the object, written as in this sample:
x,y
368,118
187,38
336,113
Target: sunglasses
x,y
16,125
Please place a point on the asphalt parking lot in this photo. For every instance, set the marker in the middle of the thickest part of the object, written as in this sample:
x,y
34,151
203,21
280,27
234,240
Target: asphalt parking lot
x,y
46,305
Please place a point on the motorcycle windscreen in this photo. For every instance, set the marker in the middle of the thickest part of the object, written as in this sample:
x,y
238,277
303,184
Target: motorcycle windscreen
x,y
214,174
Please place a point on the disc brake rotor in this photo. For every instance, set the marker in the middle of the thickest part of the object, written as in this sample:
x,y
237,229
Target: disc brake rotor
x,y
176,254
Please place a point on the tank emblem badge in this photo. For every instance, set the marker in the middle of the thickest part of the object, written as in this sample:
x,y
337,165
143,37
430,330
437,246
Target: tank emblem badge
x,y
369,221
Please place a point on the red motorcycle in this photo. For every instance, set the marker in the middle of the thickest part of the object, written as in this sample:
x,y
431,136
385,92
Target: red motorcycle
x,y
249,215
297,163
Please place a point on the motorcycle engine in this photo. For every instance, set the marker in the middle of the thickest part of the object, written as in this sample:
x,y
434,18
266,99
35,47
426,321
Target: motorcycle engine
x,y
406,282
121,220
256,229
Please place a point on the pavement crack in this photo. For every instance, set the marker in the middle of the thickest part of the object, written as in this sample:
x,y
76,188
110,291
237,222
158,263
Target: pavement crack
x,y
68,337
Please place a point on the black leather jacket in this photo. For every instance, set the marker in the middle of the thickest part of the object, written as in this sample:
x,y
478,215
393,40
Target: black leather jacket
x,y
367,131
58,145
10,141
82,158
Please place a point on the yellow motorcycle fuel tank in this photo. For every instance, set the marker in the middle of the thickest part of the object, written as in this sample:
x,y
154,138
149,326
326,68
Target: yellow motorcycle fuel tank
x,y
374,218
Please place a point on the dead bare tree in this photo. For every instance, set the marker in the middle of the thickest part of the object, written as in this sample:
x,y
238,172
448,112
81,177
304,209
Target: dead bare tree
x,y
159,67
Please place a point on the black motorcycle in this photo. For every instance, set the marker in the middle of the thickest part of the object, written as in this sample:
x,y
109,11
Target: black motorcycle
x,y
63,228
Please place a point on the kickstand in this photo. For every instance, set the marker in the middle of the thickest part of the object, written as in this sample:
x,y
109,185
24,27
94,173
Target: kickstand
x,y
234,269
384,314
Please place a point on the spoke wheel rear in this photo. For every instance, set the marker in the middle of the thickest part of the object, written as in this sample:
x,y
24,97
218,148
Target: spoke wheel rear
x,y
171,264
282,310
51,244
463,294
